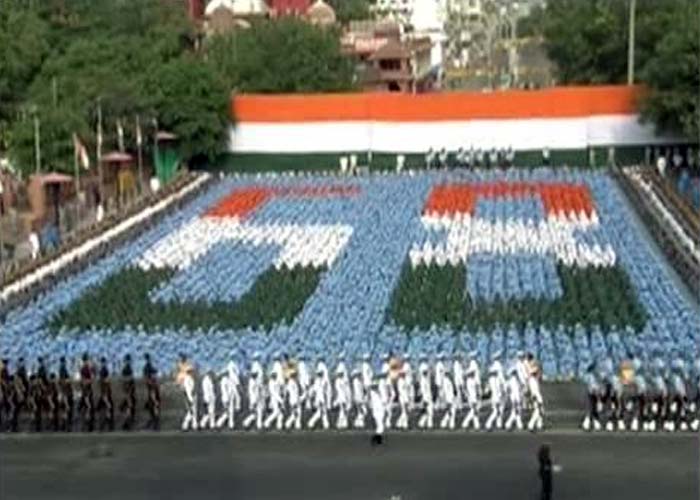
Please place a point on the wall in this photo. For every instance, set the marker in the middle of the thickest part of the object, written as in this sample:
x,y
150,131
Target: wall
x,y
563,118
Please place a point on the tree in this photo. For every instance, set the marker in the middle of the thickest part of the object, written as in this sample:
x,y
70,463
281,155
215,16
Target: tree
x,y
288,55
672,75
350,10
190,99
23,48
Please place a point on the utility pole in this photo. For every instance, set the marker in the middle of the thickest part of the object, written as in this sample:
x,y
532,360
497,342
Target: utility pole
x,y
631,42
37,144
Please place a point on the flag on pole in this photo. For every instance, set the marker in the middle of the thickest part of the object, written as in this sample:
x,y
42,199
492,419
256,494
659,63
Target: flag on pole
x,y
81,153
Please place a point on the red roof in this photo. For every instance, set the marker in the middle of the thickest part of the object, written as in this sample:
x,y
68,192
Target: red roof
x,y
289,7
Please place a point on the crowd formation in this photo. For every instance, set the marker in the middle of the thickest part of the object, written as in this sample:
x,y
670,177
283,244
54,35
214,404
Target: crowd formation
x,y
658,397
474,157
294,395
65,401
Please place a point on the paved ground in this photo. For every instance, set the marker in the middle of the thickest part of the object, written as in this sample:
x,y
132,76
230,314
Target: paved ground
x,y
330,466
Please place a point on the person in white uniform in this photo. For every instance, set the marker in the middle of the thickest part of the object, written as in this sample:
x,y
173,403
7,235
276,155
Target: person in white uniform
x,y
449,396
360,399
404,398
515,397
209,398
294,402
440,371
536,401
386,390
256,398
343,396
190,392
427,400
275,386
230,396
473,390
376,403
367,373
319,400
304,380
458,379
496,383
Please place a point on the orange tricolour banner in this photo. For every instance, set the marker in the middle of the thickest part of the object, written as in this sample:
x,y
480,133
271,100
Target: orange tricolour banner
x,y
556,102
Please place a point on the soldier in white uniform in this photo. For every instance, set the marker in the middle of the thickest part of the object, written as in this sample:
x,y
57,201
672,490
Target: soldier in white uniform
x,y
449,396
275,386
427,400
209,398
230,396
473,389
304,381
387,392
592,419
190,392
515,397
536,401
497,388
695,405
376,404
359,398
319,400
410,382
343,396
256,398
367,373
404,398
440,371
294,401
458,375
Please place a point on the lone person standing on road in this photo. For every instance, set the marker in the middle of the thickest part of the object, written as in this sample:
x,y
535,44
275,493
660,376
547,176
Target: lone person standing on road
x,y
546,470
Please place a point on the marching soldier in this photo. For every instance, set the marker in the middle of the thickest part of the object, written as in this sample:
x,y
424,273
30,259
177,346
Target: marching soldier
x,y
21,375
66,400
86,405
536,400
293,392
209,398
359,397
497,389
376,403
105,404
230,396
473,389
51,399
516,398
35,399
14,401
320,401
128,405
427,398
275,386
150,376
186,380
343,396
404,397
592,419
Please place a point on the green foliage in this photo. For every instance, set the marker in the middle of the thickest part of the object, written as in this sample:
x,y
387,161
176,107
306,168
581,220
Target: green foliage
x,y
588,42
433,294
288,55
122,300
350,10
62,57
673,75
191,100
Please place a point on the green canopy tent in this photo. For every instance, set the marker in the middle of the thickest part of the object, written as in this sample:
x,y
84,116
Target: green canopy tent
x,y
165,156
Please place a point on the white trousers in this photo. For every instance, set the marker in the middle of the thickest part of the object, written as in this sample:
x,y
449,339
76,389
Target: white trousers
x,y
294,419
209,419
321,414
190,420
361,417
275,417
426,419
255,416
229,416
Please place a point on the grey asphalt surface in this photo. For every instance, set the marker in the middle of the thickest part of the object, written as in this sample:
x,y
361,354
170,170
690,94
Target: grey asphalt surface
x,y
344,466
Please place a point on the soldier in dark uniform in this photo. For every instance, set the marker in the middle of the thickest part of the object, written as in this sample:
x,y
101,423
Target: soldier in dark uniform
x,y
4,370
15,400
65,397
41,372
51,398
86,406
21,375
105,405
150,376
128,406
4,391
34,402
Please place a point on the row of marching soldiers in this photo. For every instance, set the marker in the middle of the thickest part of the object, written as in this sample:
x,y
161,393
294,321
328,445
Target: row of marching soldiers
x,y
657,397
288,395
60,402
